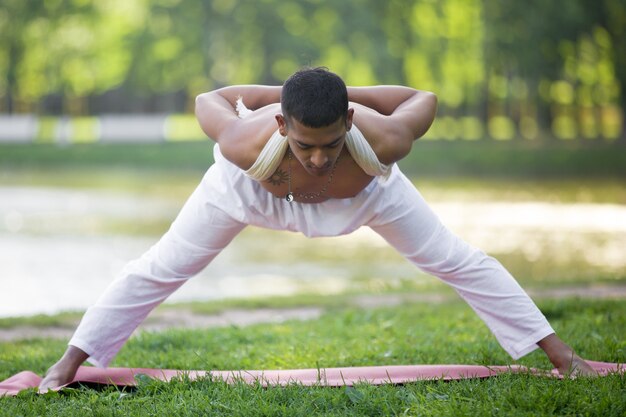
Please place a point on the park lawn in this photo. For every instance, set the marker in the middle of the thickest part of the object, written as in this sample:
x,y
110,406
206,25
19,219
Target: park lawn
x,y
485,159
405,334
484,170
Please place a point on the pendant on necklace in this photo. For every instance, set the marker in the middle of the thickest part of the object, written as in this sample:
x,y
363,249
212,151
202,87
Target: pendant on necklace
x,y
289,197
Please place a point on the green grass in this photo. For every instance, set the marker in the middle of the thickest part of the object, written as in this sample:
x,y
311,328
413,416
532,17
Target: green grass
x,y
442,170
516,159
326,302
345,335
64,319
550,190
186,156
406,334
513,159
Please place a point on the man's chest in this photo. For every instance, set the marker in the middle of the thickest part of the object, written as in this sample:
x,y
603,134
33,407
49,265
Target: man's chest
x,y
345,180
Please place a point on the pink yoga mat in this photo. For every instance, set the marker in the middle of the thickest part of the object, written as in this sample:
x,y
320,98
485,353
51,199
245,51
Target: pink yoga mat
x,y
330,377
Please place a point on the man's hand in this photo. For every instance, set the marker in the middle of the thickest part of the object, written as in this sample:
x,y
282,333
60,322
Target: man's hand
x,y
63,372
564,358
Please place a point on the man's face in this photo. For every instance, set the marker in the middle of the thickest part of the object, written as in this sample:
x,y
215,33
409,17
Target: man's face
x,y
317,149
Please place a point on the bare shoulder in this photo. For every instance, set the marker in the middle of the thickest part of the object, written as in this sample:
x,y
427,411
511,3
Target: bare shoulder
x,y
245,138
240,139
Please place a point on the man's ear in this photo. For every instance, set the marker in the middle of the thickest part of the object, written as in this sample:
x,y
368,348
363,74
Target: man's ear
x,y
282,124
349,116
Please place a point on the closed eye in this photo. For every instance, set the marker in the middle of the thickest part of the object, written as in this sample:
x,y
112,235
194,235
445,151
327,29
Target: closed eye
x,y
334,144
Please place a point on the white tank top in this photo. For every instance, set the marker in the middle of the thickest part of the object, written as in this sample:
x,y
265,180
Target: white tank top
x,y
274,150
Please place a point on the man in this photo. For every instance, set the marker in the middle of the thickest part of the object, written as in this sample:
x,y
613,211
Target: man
x,y
315,157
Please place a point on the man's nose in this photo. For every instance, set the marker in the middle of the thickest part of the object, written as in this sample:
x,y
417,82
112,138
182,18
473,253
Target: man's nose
x,y
319,158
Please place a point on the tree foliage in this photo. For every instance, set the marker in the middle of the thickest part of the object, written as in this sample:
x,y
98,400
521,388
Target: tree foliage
x,y
504,68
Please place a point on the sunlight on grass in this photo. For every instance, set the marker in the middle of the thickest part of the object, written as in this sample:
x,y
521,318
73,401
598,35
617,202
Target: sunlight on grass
x,y
407,334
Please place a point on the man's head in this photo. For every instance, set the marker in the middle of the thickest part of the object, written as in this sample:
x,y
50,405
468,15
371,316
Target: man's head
x,y
314,97
315,117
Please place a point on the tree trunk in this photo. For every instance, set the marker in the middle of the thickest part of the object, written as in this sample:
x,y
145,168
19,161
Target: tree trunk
x,y
11,78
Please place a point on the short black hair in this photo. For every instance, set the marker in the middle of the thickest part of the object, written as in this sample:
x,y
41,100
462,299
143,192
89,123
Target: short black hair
x,y
314,97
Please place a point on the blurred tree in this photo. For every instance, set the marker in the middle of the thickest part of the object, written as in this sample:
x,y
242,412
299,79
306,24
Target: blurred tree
x,y
73,48
610,16
512,69
15,15
440,46
539,43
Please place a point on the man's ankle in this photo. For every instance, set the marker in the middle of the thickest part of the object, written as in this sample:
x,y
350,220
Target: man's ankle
x,y
72,358
560,354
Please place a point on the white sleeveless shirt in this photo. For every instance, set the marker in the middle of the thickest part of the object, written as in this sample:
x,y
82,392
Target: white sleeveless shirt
x,y
274,150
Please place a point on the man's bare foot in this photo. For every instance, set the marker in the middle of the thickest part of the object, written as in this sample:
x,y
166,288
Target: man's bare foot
x,y
577,367
56,376
63,372
564,359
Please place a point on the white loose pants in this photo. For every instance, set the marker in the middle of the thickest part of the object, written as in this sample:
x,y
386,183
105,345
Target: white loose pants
x,y
226,201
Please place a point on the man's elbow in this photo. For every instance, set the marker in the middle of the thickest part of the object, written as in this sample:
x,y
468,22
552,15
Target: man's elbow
x,y
201,101
203,111
205,104
430,102
429,112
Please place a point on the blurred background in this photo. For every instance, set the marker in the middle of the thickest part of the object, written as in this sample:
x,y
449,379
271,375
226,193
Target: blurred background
x,y
99,146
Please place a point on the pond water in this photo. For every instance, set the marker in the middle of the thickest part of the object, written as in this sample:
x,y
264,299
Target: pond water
x,y
60,247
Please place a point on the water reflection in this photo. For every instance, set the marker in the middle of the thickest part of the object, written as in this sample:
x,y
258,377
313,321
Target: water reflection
x,y
60,248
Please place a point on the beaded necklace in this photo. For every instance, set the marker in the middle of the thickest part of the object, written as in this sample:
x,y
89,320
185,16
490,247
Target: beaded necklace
x,y
307,196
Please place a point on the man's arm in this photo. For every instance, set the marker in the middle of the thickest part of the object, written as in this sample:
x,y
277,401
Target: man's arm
x,y
392,117
241,140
